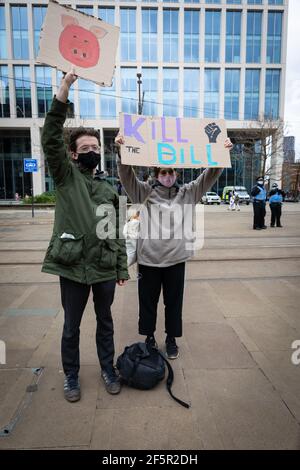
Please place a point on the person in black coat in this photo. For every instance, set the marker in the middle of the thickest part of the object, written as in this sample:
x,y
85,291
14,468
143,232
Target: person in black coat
x,y
259,195
276,197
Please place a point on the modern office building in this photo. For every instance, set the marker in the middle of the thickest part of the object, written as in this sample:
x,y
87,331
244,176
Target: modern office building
x,y
213,58
289,153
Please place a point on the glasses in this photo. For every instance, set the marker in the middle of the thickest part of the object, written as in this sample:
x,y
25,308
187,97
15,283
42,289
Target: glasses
x,y
168,171
88,148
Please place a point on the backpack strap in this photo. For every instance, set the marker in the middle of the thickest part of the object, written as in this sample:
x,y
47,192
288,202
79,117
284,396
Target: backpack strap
x,y
170,379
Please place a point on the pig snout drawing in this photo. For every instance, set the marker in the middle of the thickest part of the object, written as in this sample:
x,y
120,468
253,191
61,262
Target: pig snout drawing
x,y
79,45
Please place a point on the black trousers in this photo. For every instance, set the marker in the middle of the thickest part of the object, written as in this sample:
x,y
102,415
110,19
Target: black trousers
x,y
74,297
275,213
259,209
151,280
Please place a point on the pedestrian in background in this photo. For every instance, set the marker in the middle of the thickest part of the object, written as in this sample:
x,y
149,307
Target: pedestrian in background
x,y
232,201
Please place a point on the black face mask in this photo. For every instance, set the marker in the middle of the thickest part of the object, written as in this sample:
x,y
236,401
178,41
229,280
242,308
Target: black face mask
x,y
89,160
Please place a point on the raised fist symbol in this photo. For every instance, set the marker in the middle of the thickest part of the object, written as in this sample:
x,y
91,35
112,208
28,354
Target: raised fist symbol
x,y
212,131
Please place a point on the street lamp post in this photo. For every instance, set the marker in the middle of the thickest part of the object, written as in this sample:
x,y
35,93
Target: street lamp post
x,y
139,82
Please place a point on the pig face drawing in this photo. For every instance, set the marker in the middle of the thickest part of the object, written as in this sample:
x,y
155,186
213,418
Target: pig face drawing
x,y
78,45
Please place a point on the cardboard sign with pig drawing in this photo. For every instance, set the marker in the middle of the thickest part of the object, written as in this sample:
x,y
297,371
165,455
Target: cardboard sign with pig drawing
x,y
71,37
173,141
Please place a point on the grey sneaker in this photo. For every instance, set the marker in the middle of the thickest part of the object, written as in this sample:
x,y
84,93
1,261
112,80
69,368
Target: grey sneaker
x,y
111,381
72,391
171,347
151,342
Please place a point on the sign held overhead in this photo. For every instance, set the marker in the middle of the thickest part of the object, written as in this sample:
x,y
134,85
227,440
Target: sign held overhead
x,y
71,37
173,141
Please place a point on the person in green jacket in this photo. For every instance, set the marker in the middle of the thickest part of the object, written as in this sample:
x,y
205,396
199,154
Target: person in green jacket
x,y
81,251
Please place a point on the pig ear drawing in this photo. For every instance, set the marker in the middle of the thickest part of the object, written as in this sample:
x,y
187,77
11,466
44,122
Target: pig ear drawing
x,y
98,31
67,20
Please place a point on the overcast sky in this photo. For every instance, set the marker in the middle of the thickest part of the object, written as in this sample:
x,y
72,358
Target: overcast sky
x,y
292,93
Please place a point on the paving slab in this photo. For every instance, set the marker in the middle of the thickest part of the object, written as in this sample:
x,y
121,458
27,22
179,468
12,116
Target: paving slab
x,y
215,346
247,412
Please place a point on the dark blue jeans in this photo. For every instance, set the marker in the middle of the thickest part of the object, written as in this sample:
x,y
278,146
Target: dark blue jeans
x,y
74,297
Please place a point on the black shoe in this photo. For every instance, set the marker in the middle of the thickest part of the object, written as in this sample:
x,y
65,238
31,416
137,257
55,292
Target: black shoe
x,y
111,381
72,388
151,342
272,226
257,228
279,226
171,347
264,226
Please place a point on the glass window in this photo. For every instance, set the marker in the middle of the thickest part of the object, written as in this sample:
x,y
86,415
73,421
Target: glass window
x,y
14,147
191,1
254,2
38,19
87,98
211,92
232,92
129,90
191,92
43,89
212,1
150,87
3,47
170,40
233,36
170,91
128,34
86,10
212,35
149,35
253,47
252,93
4,92
191,35
234,2
275,2
274,37
272,94
107,14
108,101
20,32
23,91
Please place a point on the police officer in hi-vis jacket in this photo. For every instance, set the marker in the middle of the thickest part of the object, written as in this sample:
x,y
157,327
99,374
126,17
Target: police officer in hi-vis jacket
x,y
259,195
275,200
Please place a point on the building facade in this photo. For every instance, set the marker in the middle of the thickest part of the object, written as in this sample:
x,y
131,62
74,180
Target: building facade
x,y
198,58
289,153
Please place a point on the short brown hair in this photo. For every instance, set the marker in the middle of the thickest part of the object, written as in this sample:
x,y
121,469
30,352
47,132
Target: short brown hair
x,y
79,132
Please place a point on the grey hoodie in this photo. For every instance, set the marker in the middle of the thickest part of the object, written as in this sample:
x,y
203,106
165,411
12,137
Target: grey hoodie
x,y
162,241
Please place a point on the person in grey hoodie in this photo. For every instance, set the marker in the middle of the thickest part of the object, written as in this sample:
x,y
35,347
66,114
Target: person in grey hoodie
x,y
163,247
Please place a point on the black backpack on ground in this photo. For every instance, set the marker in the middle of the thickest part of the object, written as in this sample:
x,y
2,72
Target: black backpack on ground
x,y
143,367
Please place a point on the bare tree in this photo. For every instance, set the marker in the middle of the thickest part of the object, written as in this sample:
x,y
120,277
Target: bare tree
x,y
263,141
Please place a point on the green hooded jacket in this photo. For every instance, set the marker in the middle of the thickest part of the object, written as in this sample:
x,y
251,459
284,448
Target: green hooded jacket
x,y
84,206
